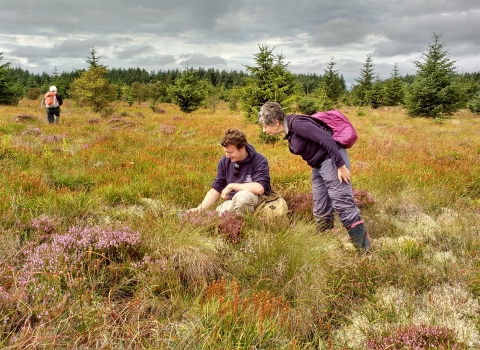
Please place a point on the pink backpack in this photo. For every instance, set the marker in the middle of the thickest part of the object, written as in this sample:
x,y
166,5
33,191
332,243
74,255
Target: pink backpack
x,y
343,131
340,127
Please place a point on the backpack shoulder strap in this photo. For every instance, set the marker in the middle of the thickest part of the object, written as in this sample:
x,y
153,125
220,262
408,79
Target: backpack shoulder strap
x,y
290,120
293,117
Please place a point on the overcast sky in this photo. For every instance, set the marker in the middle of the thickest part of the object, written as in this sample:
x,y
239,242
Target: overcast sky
x,y
223,34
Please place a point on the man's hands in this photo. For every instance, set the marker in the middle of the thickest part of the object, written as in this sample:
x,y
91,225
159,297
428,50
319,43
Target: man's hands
x,y
226,191
253,187
210,198
212,195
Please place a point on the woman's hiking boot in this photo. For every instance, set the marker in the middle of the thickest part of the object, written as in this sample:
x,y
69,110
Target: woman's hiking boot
x,y
359,236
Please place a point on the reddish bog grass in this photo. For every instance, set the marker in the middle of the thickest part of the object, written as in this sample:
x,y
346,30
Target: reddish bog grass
x,y
97,253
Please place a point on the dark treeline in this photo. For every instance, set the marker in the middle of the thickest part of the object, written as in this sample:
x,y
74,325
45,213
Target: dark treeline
x,y
25,80
128,76
216,77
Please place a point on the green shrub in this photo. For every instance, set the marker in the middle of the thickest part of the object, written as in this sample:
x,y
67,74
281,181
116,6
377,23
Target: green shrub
x,y
324,103
310,105
307,105
188,92
33,93
474,104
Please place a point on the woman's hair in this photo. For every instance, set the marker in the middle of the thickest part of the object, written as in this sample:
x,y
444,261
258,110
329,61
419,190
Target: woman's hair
x,y
269,112
234,137
53,88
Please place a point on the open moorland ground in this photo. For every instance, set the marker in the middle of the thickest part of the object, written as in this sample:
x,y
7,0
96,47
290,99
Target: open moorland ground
x,y
94,253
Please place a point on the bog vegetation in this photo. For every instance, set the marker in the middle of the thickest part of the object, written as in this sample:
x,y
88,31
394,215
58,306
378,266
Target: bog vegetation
x,y
96,252
95,255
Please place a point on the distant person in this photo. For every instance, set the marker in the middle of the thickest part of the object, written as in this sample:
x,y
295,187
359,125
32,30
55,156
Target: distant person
x,y
52,101
330,169
242,177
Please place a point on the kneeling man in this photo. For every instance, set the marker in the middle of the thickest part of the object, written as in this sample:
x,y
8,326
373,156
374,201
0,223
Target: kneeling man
x,y
242,176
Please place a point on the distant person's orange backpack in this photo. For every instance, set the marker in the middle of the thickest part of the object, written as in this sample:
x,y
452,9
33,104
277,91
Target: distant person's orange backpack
x,y
51,99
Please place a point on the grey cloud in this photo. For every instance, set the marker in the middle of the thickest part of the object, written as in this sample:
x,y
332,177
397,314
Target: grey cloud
x,y
414,8
394,48
79,48
340,31
163,18
407,35
32,53
350,69
129,53
125,32
68,48
154,61
301,51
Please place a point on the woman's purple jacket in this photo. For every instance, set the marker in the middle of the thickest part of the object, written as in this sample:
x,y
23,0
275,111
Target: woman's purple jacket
x,y
310,141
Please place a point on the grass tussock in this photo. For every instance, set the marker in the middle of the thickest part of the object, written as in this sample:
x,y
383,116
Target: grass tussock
x,y
97,251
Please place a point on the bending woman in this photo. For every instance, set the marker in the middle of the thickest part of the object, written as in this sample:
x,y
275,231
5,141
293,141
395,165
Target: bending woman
x,y
330,169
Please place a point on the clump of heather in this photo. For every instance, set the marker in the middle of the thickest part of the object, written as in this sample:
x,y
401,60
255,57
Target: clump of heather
x,y
115,243
32,131
54,138
115,119
38,286
43,225
362,198
68,252
299,203
168,129
93,121
419,337
230,226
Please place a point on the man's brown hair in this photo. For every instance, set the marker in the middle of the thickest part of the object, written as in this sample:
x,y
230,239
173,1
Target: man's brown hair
x,y
234,137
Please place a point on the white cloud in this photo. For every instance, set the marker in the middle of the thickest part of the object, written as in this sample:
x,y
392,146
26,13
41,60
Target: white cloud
x,y
200,60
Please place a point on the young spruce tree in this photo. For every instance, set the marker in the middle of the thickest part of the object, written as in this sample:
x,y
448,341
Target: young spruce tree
x,y
187,92
434,93
393,89
269,80
361,92
332,84
9,94
92,88
376,94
